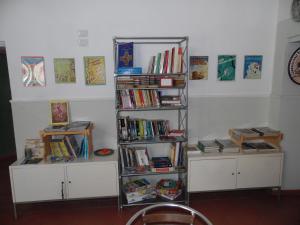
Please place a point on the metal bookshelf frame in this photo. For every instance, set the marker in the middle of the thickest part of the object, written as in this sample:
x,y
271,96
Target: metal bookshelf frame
x,y
182,111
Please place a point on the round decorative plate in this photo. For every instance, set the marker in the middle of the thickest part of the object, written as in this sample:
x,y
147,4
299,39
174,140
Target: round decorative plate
x,y
294,67
104,152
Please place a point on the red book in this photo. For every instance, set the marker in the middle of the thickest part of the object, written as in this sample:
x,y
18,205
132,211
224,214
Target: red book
x,y
180,61
141,98
162,170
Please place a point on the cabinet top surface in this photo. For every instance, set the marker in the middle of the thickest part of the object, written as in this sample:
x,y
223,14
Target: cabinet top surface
x,y
217,155
94,159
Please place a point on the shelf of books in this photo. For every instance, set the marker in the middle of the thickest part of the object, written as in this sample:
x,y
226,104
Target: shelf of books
x,y
151,74
261,137
68,142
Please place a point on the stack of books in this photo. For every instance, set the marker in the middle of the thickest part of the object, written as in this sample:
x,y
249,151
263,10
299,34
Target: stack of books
x,y
161,165
254,146
265,131
167,62
170,100
134,158
246,132
169,188
134,99
139,190
208,146
227,145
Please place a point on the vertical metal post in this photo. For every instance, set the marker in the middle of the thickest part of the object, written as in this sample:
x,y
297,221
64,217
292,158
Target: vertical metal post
x,y
15,211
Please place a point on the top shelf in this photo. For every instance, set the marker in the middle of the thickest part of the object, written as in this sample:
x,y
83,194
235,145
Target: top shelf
x,y
151,40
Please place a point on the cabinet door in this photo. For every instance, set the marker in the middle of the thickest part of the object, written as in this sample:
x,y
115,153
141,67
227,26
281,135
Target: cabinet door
x,y
92,180
212,174
259,171
37,183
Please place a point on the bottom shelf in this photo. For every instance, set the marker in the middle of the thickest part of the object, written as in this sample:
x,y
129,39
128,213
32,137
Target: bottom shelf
x,y
180,199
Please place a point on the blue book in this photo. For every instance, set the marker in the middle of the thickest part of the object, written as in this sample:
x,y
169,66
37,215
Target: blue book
x,y
129,70
125,55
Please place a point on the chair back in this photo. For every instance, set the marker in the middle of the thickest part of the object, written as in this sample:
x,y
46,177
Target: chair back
x,y
185,215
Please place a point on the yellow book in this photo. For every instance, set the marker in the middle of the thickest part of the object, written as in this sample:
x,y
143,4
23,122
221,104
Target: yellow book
x,y
63,149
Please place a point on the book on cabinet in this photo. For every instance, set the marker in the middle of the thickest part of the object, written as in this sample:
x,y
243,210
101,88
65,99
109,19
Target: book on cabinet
x,y
150,107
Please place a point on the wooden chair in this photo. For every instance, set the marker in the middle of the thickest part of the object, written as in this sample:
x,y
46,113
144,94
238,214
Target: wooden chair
x,y
183,215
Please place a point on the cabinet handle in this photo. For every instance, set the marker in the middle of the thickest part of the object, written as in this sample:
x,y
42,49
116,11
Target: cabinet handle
x,y
70,182
239,172
232,174
62,191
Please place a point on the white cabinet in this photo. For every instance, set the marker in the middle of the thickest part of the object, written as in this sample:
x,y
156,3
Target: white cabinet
x,y
208,172
212,174
32,183
259,171
96,180
58,181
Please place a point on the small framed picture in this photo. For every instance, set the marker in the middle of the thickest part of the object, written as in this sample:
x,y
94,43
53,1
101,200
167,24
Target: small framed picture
x,y
166,82
59,112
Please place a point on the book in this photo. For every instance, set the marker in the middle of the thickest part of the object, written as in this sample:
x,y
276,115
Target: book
x,y
227,145
125,54
78,125
74,143
161,162
129,70
245,132
266,131
259,145
162,170
69,146
208,146
157,63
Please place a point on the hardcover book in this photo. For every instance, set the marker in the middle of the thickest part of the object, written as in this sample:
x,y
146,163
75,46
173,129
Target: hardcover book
x,y
125,55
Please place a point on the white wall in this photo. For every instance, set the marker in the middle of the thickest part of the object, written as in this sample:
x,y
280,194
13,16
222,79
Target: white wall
x,y
284,9
49,28
209,117
285,101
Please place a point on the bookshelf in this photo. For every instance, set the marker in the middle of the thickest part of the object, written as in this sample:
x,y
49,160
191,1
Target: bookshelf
x,y
154,86
87,132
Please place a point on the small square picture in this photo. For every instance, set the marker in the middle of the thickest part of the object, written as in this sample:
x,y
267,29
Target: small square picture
x,y
33,71
64,69
253,66
226,67
94,69
59,112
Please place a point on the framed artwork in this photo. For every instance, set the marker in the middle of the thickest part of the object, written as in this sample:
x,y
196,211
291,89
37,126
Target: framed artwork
x,y
252,66
64,69
198,67
294,67
94,70
33,71
226,67
59,112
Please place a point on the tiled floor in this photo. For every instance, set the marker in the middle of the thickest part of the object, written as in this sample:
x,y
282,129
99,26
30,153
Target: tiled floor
x,y
256,207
